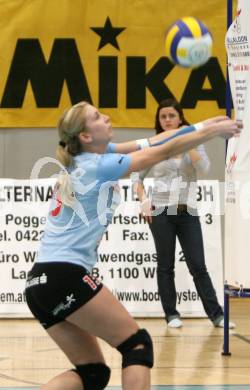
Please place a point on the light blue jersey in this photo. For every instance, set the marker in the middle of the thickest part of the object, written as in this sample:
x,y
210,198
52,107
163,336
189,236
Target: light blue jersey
x,y
73,234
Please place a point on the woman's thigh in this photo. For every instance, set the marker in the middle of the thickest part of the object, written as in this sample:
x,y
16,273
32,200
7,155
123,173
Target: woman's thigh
x,y
191,240
105,317
78,345
164,233
72,305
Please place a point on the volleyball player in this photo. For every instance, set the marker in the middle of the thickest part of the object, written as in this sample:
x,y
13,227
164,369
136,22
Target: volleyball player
x,y
70,304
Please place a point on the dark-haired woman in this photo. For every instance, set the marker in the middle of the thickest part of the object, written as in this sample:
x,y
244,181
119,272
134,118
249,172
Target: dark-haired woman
x,y
172,213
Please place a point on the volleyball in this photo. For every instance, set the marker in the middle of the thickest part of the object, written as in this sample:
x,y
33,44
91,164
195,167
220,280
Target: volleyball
x,y
188,42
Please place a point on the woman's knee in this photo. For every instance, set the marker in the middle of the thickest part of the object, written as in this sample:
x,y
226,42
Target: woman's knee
x,y
199,273
164,269
94,376
137,350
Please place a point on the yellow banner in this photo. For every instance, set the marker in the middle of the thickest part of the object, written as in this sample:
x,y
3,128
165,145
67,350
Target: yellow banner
x,y
110,52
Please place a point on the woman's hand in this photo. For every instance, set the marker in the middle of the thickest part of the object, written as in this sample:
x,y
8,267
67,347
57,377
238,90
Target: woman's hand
x,y
228,128
146,210
223,125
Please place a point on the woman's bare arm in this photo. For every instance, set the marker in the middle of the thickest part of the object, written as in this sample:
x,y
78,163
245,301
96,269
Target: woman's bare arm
x,y
150,156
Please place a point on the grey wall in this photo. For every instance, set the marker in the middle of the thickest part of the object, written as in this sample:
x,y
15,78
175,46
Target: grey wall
x,y
21,148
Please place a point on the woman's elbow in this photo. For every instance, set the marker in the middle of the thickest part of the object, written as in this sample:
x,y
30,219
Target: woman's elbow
x,y
205,167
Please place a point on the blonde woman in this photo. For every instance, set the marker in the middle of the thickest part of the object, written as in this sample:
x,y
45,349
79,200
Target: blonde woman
x,y
70,304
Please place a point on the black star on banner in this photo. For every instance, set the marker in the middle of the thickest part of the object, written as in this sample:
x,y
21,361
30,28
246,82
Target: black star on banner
x,y
108,34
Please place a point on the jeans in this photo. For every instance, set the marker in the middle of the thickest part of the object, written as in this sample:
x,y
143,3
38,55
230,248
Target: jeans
x,y
165,228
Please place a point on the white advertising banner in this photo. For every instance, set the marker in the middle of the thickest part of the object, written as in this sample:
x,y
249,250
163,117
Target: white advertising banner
x,y
127,258
237,206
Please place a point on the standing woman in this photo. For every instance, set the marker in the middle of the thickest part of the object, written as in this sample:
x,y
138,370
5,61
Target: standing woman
x,y
174,215
70,304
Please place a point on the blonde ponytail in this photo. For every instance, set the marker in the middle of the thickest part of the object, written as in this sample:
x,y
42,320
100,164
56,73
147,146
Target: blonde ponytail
x,y
70,125
64,185
63,156
65,189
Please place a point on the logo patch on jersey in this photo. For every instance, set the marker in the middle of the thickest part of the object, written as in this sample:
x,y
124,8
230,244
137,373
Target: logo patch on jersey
x,y
92,283
64,306
120,161
37,280
58,199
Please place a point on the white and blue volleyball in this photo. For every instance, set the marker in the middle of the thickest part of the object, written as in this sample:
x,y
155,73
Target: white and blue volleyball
x,y
188,43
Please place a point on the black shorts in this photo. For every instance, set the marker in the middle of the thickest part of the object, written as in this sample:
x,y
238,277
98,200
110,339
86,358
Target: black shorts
x,y
55,290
